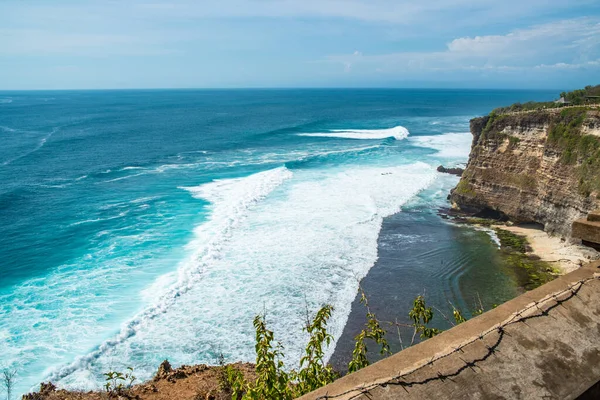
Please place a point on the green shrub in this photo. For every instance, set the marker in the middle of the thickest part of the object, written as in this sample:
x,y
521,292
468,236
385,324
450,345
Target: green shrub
x,y
464,188
272,381
117,382
313,372
421,315
582,151
513,141
372,331
230,378
576,97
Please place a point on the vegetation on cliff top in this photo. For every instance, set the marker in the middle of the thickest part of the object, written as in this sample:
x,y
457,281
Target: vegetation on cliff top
x,y
577,149
587,95
565,134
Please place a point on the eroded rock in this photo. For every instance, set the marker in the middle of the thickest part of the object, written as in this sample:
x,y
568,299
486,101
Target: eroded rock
x,y
516,169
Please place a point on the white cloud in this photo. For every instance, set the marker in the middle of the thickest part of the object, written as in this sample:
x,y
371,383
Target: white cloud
x,y
574,33
142,26
566,66
569,42
276,39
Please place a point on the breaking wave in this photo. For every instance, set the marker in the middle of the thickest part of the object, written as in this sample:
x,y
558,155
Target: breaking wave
x,y
231,200
265,244
397,132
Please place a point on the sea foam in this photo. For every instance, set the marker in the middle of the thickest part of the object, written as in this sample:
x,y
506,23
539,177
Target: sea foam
x,y
267,246
232,200
397,132
42,141
449,145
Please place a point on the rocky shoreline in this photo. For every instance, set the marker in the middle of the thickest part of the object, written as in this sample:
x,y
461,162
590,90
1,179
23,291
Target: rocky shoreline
x,y
562,254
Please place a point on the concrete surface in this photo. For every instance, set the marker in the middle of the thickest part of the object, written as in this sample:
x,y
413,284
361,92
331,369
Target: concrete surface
x,y
594,216
588,229
544,344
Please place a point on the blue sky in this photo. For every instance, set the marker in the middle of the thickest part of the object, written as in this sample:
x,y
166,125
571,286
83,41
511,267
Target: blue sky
x,y
77,44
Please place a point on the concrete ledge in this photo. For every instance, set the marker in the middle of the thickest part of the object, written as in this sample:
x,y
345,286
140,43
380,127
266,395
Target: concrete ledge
x,y
542,344
594,216
587,230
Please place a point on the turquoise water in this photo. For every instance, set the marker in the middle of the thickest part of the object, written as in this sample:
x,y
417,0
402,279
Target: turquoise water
x,y
142,225
420,253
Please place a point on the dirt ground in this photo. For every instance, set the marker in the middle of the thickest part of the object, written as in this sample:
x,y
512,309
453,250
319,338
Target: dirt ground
x,y
198,382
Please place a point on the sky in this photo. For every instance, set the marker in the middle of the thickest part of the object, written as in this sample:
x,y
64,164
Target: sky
x,y
104,44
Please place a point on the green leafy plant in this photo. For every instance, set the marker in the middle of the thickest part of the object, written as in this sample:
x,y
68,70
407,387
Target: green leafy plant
x,y
314,372
373,331
458,315
421,315
231,380
272,381
116,382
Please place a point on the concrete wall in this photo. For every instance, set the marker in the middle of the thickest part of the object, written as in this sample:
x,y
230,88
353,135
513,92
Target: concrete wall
x,y
544,344
588,231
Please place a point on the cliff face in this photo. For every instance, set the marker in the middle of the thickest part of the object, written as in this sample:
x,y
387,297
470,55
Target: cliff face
x,y
541,166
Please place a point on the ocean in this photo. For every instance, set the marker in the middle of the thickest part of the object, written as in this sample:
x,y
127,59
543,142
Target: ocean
x,y
138,226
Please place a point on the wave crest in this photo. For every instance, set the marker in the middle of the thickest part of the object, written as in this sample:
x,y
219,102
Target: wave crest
x,y
231,200
397,132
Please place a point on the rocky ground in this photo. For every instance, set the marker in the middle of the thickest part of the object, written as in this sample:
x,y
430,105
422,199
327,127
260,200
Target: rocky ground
x,y
198,382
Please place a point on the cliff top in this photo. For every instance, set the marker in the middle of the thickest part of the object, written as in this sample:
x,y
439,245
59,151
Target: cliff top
x,y
588,96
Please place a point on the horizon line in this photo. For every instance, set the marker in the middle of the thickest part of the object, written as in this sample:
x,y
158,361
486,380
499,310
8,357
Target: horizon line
x,y
281,88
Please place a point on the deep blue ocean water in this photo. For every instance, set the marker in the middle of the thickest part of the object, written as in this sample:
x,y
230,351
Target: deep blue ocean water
x,y
142,225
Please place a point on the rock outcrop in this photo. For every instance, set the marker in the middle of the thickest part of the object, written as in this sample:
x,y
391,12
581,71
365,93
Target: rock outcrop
x,y
541,166
452,171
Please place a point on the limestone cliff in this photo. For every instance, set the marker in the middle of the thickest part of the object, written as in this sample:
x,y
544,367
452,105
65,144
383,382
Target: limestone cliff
x,y
541,166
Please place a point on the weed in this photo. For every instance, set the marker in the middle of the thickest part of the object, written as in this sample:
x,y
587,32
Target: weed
x,y
117,382
372,331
